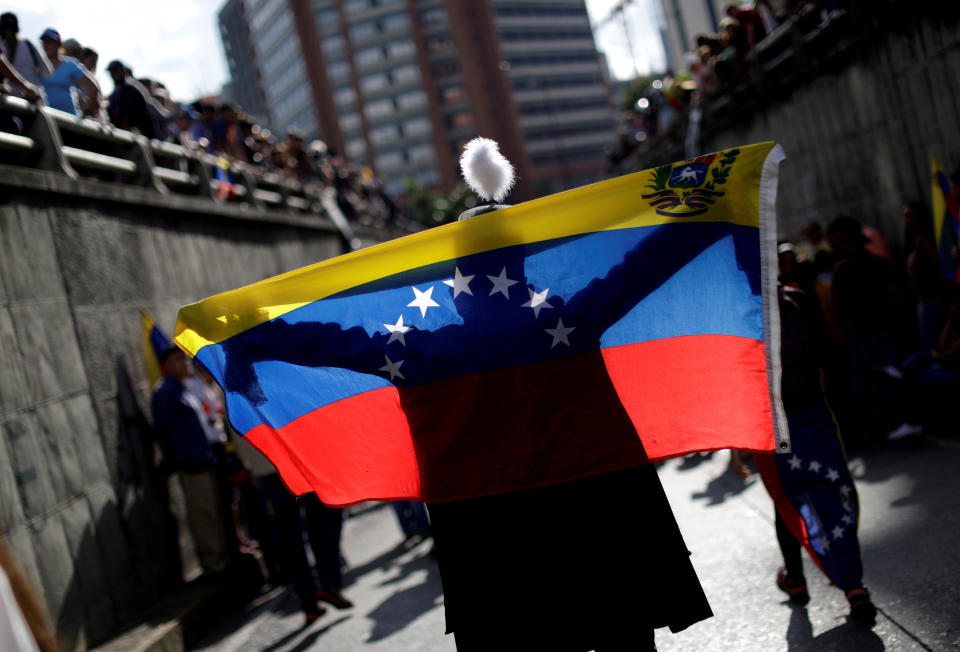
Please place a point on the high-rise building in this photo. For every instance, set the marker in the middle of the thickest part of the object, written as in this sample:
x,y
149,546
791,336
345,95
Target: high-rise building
x,y
683,21
244,85
400,85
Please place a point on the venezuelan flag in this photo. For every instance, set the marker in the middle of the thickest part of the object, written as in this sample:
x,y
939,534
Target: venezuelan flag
x,y
946,222
154,344
592,330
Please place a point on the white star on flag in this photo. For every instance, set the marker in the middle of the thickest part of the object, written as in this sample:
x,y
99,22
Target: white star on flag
x,y
423,301
537,301
501,283
846,519
794,463
825,542
392,368
832,475
837,533
845,490
460,283
560,333
397,331
815,466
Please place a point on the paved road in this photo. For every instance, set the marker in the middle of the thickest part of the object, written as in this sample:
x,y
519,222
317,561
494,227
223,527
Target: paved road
x,y
910,534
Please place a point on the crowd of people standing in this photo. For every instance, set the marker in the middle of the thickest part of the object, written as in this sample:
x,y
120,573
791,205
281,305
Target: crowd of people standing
x,y
60,73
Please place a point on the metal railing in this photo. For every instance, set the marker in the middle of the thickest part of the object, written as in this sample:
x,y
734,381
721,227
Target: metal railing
x,y
79,148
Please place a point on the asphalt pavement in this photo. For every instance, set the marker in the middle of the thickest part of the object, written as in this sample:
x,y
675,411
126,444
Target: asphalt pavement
x,y
909,534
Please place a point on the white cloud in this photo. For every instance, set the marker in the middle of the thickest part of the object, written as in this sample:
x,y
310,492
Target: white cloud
x,y
174,41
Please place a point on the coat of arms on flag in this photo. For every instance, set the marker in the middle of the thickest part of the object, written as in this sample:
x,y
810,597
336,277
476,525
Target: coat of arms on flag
x,y
491,355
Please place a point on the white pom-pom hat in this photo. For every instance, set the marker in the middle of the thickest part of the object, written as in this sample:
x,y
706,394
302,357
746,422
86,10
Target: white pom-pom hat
x,y
487,172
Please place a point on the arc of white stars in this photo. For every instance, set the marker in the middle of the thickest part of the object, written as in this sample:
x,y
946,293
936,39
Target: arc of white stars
x,y
832,475
460,283
501,283
423,301
397,331
837,532
795,462
815,466
392,368
560,333
538,301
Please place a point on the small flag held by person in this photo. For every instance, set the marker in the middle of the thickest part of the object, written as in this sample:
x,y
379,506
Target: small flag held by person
x,y
154,344
946,222
492,354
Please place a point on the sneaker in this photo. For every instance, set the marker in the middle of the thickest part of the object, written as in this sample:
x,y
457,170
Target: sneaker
x,y
311,617
796,590
335,598
862,610
904,430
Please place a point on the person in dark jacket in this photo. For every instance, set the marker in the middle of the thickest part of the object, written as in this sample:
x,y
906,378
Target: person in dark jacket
x,y
128,104
177,418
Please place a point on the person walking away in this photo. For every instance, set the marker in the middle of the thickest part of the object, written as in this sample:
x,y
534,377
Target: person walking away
x,y
811,487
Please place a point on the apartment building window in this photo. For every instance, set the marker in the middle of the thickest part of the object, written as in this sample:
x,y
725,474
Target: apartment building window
x,y
371,83
389,161
338,70
385,135
378,108
356,6
411,100
356,148
453,94
405,74
421,154
345,96
327,19
399,49
333,45
395,22
349,121
369,56
433,17
416,127
461,119
265,12
362,31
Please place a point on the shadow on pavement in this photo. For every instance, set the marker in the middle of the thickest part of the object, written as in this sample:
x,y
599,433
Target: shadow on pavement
x,y
405,606
693,460
379,562
843,638
306,642
726,485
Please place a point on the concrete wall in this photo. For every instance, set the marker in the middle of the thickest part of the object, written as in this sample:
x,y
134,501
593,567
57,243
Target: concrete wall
x,y
859,135
78,496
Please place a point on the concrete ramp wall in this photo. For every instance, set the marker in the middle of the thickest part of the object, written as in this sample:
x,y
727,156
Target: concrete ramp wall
x,y
80,498
860,133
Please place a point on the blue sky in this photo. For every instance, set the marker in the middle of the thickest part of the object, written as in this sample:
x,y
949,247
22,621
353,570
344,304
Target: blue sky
x,y
178,42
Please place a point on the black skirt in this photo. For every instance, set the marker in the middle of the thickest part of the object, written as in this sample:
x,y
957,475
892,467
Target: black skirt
x,y
593,563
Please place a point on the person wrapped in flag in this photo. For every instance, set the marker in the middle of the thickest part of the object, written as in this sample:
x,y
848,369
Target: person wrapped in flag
x,y
518,371
811,487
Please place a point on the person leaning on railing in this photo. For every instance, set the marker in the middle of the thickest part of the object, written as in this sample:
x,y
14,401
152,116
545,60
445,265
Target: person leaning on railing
x,y
29,91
